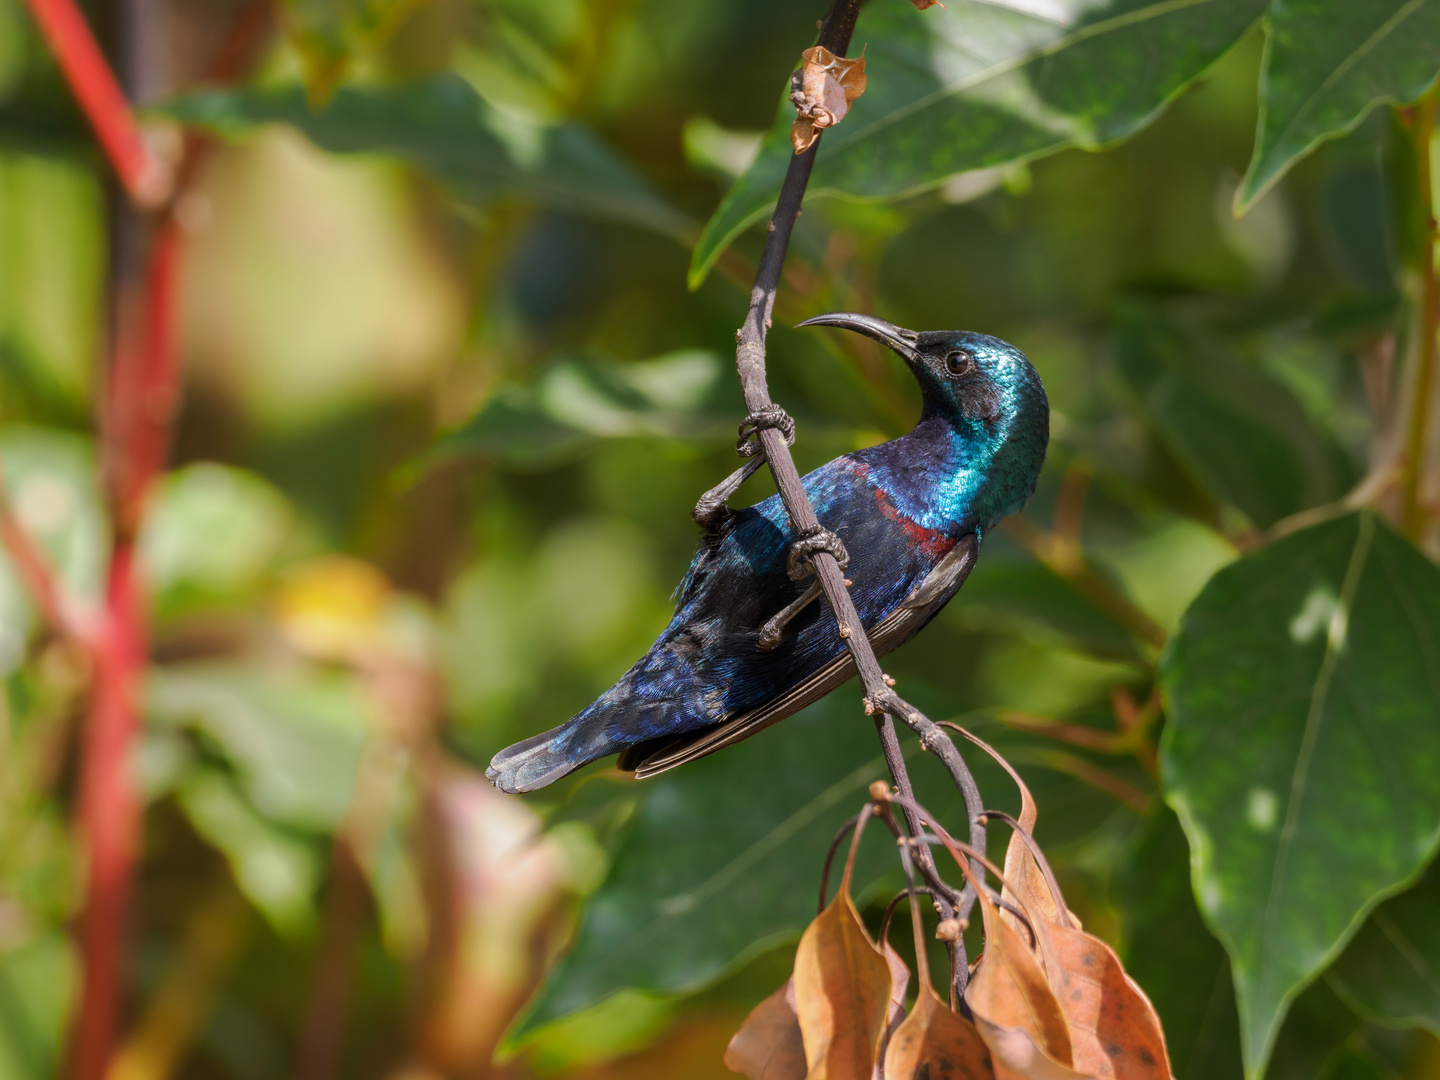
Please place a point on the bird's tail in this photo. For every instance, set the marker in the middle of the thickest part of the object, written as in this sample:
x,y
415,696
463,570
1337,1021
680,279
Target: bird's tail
x,y
542,759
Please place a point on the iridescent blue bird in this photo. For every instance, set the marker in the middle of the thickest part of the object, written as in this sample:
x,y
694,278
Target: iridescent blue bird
x,y
749,645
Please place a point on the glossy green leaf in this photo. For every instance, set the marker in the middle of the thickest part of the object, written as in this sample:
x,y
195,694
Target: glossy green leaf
x,y
575,401
1327,64
1390,972
1241,436
444,128
974,85
1299,751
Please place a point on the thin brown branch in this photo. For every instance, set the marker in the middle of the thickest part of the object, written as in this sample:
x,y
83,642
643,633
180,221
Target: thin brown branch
x,y
880,699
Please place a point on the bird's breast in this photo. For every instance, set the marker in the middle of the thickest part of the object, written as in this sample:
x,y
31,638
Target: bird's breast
x,y
931,542
926,508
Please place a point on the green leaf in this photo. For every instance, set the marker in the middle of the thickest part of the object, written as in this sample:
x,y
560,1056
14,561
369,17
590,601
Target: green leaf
x,y
37,981
1390,972
211,532
975,85
1174,958
294,737
578,400
279,873
1300,752
1240,435
329,33
711,870
1185,973
1327,64
443,127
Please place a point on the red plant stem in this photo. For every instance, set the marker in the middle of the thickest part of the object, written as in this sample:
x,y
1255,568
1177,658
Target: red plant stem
x,y
140,403
37,576
109,815
144,390
145,178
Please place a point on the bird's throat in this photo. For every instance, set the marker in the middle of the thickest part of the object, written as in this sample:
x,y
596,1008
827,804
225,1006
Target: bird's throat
x,y
937,477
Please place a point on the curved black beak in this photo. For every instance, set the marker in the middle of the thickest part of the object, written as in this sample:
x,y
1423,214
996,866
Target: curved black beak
x,y
895,337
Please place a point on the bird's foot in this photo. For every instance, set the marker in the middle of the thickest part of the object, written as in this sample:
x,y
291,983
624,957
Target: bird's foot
x,y
770,416
773,632
818,539
710,512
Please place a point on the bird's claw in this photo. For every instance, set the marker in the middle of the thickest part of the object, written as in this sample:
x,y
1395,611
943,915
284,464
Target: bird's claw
x,y
710,512
773,632
799,564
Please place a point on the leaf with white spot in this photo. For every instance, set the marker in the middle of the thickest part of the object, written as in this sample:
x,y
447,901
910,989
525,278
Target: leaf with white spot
x,y
1302,750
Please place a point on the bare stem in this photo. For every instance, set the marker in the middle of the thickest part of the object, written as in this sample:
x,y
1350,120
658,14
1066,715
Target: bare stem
x,y
144,176
750,363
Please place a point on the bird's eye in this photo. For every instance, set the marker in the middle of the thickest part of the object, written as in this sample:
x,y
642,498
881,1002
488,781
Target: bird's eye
x,y
959,362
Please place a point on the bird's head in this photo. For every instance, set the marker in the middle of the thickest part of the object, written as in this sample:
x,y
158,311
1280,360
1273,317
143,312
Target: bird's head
x,y
986,390
981,384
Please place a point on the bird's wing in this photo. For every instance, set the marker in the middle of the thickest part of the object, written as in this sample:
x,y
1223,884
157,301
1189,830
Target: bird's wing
x,y
933,593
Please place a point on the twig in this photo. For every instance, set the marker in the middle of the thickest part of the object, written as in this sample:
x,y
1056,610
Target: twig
x,y
834,35
58,610
145,177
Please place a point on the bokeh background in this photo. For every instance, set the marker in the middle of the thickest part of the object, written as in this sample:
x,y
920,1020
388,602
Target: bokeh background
x,y
431,494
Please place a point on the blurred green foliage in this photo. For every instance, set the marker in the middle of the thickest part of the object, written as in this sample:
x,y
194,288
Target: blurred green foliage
x,y
460,283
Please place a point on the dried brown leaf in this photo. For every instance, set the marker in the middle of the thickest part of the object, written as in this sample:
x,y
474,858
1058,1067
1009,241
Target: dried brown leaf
x,y
803,134
822,91
935,1039
895,1016
1015,1055
768,1045
1025,883
843,986
1016,1012
1115,1029
921,5
842,993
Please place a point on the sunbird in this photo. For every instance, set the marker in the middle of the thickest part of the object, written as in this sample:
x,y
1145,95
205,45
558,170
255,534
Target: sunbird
x,y
749,645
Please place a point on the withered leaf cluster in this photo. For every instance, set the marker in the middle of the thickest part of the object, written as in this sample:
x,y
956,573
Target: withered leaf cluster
x,y
821,92
1045,1000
